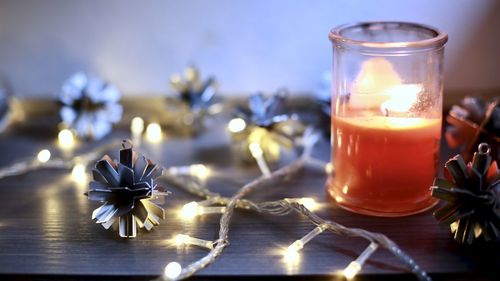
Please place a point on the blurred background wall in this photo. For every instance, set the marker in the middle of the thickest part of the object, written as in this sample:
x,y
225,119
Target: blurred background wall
x,y
248,45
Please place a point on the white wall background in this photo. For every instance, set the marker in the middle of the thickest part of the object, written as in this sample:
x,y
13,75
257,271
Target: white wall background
x,y
248,45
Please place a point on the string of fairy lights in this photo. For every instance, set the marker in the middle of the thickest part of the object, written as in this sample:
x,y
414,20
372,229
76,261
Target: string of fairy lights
x,y
304,206
191,178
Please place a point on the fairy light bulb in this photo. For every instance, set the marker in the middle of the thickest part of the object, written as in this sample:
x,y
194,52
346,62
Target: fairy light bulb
x,y
236,125
193,209
153,133
355,266
66,139
258,155
199,170
185,240
189,210
137,126
256,150
181,239
291,255
210,210
352,270
173,270
329,168
78,173
43,156
292,252
309,203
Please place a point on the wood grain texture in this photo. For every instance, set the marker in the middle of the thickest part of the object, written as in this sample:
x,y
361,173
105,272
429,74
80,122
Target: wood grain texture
x,y
46,231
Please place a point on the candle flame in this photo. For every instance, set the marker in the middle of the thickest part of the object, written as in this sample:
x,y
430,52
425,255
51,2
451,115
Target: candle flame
x,y
401,98
376,75
378,85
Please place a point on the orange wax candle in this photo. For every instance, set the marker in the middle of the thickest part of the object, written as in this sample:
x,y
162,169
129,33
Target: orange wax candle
x,y
384,165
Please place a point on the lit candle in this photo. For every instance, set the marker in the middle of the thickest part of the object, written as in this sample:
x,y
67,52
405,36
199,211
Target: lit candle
x,y
385,160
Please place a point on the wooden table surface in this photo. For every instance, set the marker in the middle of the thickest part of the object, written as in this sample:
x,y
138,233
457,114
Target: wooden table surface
x,y
46,231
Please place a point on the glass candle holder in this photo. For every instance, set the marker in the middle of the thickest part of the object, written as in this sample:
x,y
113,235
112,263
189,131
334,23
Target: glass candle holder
x,y
386,116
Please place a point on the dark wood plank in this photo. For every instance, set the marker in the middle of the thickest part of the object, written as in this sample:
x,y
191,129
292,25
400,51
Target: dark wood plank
x,y
46,230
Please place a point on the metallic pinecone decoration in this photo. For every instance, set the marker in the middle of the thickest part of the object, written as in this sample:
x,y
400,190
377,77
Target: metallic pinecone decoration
x,y
472,195
262,112
90,106
472,122
126,189
198,95
267,125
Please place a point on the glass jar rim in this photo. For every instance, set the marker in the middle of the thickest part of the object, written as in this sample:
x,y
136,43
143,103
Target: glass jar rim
x,y
438,39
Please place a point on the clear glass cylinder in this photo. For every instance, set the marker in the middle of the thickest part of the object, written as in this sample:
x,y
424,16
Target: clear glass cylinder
x,y
387,84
